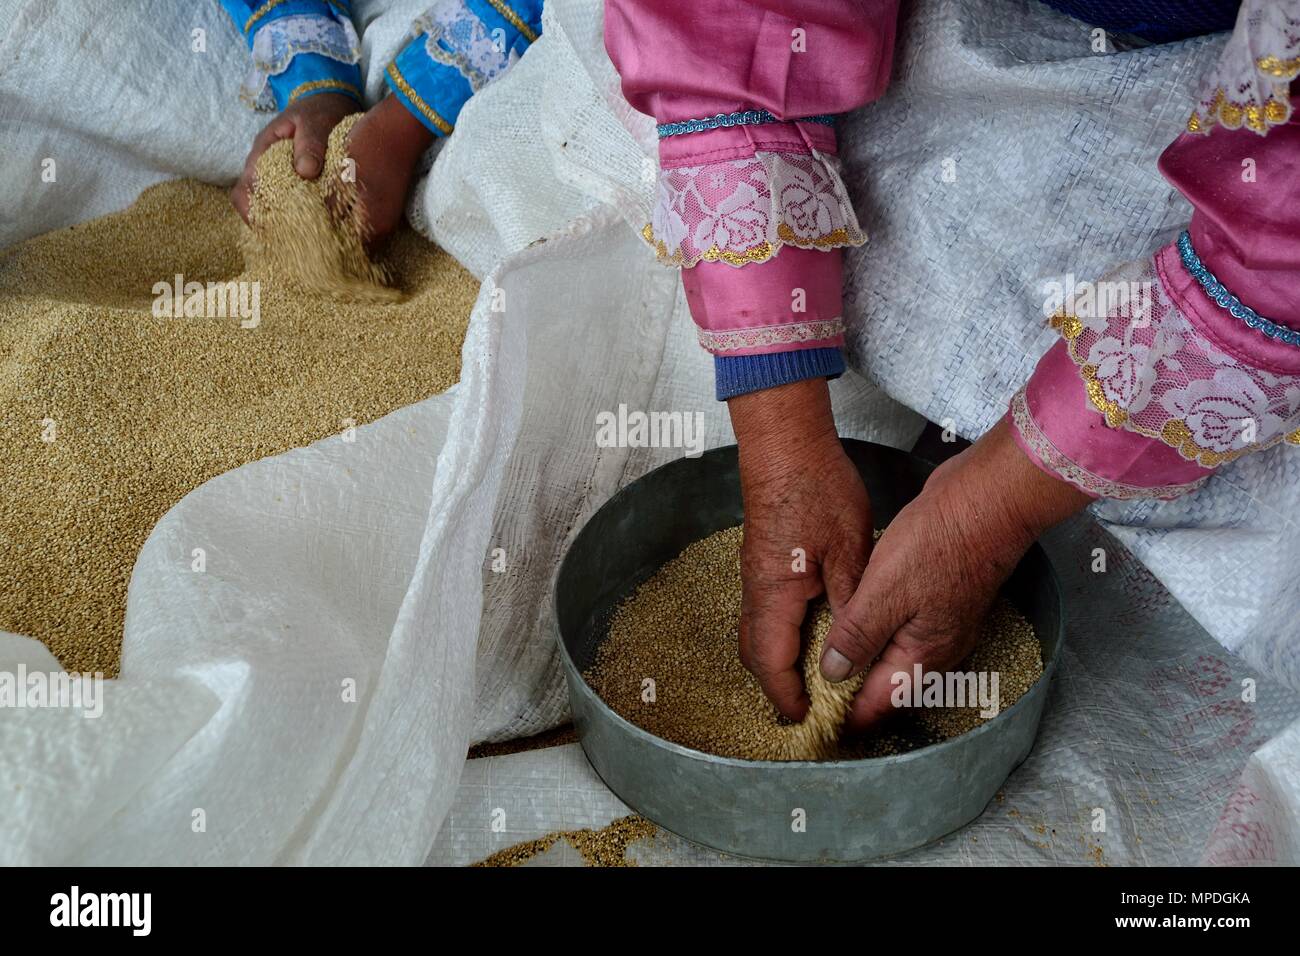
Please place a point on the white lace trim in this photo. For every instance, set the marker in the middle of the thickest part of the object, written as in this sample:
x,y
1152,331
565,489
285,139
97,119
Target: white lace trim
x,y
1149,370
1250,85
743,211
455,36
276,44
766,336
1076,474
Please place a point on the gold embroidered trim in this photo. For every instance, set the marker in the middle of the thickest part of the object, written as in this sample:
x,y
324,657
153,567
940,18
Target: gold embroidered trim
x,y
409,92
1075,473
342,86
514,20
1224,112
270,5
1175,432
1282,69
756,253
839,237
766,335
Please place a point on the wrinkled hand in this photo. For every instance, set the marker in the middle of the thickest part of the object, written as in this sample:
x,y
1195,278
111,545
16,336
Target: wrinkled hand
x,y
308,122
807,528
937,568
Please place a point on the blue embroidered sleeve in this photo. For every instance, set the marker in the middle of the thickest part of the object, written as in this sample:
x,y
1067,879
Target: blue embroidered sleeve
x,y
299,48
459,47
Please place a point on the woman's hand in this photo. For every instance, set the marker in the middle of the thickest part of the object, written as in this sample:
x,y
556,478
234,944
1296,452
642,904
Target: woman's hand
x,y
807,528
386,145
308,122
937,568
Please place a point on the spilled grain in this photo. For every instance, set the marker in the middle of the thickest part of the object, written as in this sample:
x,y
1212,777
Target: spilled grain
x,y
605,847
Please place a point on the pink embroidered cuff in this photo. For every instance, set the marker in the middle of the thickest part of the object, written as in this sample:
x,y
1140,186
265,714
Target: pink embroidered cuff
x,y
1154,386
744,211
1054,425
790,302
744,97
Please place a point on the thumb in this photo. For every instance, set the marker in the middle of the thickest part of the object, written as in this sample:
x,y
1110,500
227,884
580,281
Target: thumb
x,y
308,153
876,700
862,628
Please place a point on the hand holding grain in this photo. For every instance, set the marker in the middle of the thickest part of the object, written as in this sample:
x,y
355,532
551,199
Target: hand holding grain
x,y
386,145
938,566
308,122
807,528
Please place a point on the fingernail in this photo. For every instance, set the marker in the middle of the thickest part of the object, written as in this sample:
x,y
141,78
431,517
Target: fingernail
x,y
307,165
835,666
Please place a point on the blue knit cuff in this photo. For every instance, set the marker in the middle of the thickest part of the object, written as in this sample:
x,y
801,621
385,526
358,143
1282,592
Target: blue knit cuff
x,y
739,374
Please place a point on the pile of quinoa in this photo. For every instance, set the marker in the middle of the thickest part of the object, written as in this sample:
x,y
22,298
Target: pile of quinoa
x,y
109,415
679,629
606,847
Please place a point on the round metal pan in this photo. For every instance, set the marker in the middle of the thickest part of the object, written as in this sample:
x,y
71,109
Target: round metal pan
x,y
834,811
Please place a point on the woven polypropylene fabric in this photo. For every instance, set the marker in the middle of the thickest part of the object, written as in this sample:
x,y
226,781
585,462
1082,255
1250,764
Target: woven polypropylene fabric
x,y
543,190
1007,155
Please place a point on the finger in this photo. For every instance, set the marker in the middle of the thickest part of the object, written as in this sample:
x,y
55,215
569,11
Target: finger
x,y
842,569
241,195
239,198
770,645
308,152
887,688
864,626
279,128
876,700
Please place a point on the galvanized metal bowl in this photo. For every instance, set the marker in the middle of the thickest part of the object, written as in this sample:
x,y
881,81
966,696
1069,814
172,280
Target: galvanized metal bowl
x,y
851,809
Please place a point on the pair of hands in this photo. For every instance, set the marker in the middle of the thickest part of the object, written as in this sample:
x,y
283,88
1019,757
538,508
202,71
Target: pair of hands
x,y
934,573
386,145
920,597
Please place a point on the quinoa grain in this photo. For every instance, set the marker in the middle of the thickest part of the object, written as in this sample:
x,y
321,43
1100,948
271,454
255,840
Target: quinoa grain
x,y
678,629
110,415
605,847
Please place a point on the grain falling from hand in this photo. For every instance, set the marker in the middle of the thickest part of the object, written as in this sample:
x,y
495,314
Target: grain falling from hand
x,y
311,233
145,409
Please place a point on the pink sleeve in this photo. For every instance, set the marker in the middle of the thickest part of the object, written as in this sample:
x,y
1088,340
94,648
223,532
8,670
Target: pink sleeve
x,y
1201,362
754,214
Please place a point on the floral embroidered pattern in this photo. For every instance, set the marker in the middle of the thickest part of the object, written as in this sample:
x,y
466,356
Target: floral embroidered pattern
x,y
278,42
743,211
1149,370
765,336
456,37
1250,84
1038,442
